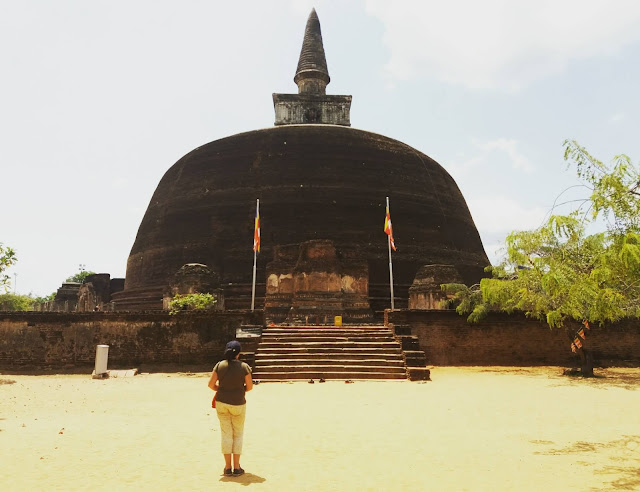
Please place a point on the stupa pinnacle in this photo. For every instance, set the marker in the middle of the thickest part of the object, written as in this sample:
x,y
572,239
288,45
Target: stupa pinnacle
x,y
312,104
312,75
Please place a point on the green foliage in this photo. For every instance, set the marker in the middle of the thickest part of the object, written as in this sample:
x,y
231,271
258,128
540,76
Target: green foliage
x,y
183,302
7,258
79,277
558,272
466,299
15,302
615,189
41,300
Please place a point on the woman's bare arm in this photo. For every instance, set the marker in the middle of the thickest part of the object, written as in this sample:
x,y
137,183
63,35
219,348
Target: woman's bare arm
x,y
248,382
213,381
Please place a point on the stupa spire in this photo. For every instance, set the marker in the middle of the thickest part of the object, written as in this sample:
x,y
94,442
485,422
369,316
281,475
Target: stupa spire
x,y
312,104
312,75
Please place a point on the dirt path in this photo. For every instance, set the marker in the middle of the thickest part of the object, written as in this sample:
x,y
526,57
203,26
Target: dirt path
x,y
470,429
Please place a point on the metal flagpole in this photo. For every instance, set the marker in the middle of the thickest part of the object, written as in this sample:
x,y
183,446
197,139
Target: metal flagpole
x,y
390,264
255,256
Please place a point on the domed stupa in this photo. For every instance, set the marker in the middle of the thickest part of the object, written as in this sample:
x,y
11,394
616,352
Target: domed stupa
x,y
322,187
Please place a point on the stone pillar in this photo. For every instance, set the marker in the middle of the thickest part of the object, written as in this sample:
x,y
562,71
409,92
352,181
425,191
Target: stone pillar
x,y
312,283
317,284
279,283
355,288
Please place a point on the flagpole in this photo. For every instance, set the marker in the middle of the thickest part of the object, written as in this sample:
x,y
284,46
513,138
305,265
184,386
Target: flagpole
x,y
390,264
255,256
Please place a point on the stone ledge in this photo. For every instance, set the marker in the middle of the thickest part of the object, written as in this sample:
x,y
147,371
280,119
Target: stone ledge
x,y
418,374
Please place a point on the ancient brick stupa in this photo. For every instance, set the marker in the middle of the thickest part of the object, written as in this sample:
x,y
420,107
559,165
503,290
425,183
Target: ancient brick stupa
x,y
322,188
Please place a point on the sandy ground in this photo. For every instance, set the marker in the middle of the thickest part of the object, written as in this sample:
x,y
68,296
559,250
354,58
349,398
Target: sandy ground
x,y
469,429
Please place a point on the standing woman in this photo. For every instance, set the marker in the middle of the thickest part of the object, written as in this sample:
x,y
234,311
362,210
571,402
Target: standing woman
x,y
231,378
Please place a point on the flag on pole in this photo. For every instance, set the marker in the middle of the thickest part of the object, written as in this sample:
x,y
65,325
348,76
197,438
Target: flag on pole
x,y
256,232
586,324
577,342
388,229
256,250
573,348
581,333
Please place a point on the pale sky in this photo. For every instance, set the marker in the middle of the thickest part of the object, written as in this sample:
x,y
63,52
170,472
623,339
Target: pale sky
x,y
99,98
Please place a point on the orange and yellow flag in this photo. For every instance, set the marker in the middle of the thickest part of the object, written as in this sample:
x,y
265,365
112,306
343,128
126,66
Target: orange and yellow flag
x,y
388,229
256,232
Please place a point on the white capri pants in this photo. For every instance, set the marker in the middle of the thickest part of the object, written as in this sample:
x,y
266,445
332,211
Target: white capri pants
x,y
232,426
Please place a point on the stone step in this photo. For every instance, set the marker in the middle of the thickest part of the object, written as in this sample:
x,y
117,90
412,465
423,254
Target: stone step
x,y
409,342
328,327
330,356
140,299
340,376
336,329
327,338
336,375
329,344
260,363
419,374
328,351
331,368
287,353
415,358
402,329
329,333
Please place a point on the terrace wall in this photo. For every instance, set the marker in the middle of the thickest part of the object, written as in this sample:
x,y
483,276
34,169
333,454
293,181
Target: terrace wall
x,y
501,339
59,340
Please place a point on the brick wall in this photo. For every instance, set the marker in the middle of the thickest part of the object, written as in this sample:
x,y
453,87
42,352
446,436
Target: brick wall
x,y
35,340
502,339
56,340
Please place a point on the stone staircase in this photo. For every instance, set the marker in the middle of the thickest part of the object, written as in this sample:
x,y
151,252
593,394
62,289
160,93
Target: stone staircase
x,y
330,352
142,299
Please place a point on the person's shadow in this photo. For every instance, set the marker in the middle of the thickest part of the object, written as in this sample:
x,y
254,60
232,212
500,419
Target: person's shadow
x,y
246,479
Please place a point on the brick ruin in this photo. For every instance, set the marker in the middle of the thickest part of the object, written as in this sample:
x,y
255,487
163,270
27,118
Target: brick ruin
x,y
312,283
94,294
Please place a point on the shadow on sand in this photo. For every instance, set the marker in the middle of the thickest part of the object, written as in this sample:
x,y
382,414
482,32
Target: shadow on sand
x,y
246,479
622,460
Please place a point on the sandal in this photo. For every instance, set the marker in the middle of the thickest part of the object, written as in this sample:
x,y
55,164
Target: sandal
x,y
237,472
227,472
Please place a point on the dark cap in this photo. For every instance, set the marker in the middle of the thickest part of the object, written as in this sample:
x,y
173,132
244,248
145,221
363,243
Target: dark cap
x,y
233,346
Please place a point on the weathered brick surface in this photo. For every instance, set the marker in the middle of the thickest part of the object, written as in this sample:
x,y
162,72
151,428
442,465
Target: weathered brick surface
x,y
59,339
314,182
502,339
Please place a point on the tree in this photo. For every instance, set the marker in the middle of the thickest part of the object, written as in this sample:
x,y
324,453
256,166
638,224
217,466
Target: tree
x,y
558,272
79,277
7,258
184,302
43,299
16,302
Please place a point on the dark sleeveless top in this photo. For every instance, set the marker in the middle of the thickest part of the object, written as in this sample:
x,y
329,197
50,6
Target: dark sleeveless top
x,y
231,376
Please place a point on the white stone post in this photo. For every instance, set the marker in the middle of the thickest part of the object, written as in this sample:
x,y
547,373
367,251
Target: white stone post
x,y
102,355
